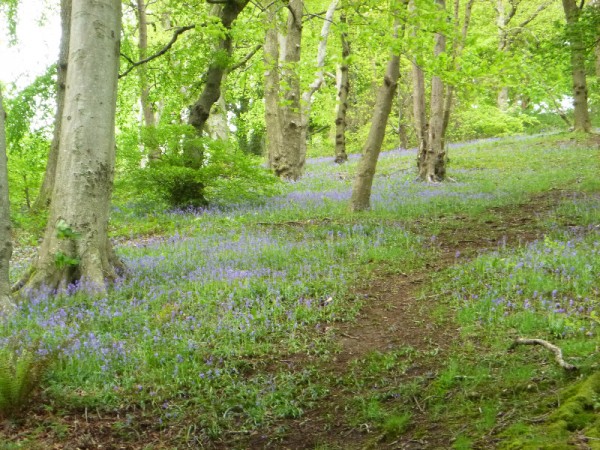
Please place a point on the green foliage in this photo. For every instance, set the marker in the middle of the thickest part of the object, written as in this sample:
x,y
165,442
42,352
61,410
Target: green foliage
x,y
64,231
487,121
21,372
227,175
62,260
28,133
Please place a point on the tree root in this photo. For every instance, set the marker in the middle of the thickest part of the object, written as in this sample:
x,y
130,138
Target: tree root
x,y
553,348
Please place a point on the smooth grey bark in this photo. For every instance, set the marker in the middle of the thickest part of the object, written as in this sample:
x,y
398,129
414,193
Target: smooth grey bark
x,y
216,125
457,49
147,111
288,160
578,53
148,114
271,60
43,198
342,99
307,96
419,106
502,21
76,247
431,161
6,304
363,180
436,159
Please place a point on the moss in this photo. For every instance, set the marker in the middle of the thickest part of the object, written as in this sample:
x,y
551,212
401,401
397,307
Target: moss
x,y
577,413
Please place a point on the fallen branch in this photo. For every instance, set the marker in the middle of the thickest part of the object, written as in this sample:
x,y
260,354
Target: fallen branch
x,y
553,348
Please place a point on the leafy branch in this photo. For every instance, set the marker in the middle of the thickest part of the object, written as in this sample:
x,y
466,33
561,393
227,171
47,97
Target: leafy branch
x,y
178,32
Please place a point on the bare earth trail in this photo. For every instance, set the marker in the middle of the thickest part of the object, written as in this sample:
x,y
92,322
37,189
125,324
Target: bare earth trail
x,y
395,316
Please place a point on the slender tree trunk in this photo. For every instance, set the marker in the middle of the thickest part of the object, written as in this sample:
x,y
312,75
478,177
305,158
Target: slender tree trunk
x,y
200,111
502,22
419,106
577,44
148,115
343,91
76,245
288,161
6,304
271,59
307,96
457,51
363,181
432,163
596,5
403,99
43,199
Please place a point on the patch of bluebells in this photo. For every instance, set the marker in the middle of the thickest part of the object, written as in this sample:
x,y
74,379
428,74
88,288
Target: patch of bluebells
x,y
212,294
555,280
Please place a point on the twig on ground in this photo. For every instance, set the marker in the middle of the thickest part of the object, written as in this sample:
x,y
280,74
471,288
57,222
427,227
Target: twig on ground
x,y
349,336
553,348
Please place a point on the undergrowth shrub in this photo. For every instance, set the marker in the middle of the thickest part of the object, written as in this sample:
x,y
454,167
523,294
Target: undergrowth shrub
x,y
487,121
21,373
227,173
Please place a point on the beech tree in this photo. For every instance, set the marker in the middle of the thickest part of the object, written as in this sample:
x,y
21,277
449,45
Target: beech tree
x,y
343,88
75,245
578,56
307,96
286,151
363,180
6,305
227,12
148,113
431,158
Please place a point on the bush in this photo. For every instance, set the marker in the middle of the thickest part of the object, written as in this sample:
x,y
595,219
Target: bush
x,y
226,175
487,121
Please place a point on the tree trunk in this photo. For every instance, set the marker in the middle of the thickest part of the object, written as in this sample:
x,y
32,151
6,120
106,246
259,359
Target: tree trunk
x,y
6,304
419,106
307,96
502,21
596,5
43,199
363,181
343,91
200,111
148,115
458,48
578,51
76,247
432,163
271,59
216,126
288,160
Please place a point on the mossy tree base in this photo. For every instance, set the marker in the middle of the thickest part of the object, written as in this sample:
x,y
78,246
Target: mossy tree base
x,y
575,424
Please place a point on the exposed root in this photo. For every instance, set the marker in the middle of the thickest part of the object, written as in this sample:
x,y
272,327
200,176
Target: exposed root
x,y
7,306
553,348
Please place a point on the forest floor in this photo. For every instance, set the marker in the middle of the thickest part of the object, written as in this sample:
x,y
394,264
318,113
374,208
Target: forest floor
x,y
416,355
395,316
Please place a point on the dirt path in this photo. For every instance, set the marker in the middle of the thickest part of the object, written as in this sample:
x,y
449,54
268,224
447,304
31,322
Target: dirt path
x,y
396,315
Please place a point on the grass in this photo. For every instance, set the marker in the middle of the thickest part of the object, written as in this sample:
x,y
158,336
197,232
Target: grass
x,y
197,336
